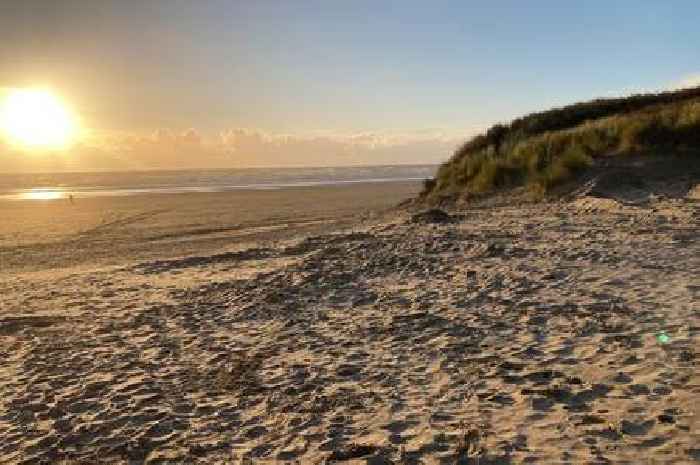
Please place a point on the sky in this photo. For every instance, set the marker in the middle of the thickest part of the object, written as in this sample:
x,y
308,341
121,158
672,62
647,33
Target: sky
x,y
225,83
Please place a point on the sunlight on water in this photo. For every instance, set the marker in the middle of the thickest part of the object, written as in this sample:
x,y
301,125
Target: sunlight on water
x,y
111,184
43,194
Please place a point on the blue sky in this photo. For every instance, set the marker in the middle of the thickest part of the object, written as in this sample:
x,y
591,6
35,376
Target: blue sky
x,y
305,67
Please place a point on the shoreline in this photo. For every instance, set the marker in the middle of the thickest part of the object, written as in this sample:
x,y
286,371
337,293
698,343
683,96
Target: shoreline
x,y
63,193
109,230
13,186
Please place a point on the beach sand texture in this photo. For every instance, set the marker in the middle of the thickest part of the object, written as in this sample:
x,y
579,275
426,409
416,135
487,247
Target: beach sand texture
x,y
201,330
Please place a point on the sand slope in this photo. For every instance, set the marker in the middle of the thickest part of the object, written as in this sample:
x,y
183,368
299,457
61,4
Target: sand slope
x,y
563,333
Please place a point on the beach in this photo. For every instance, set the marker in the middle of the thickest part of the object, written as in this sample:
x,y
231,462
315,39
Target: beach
x,y
325,325
41,235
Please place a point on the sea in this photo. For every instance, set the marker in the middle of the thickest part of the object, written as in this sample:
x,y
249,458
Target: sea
x,y
56,186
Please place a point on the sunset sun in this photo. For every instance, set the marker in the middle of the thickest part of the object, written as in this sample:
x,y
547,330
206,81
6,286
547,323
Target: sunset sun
x,y
36,119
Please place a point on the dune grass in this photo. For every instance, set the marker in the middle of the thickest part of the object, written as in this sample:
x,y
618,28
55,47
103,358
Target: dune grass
x,y
544,150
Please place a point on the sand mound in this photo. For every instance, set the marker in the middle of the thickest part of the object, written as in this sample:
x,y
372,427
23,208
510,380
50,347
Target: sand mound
x,y
591,203
432,216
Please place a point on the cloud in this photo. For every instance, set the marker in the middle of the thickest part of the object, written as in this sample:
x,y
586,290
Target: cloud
x,y
691,80
685,82
237,147
257,148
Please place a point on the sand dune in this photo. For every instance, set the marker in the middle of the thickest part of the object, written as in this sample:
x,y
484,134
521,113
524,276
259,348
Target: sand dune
x,y
557,333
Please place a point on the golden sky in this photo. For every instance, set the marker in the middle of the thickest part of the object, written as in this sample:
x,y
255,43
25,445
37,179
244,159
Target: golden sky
x,y
177,84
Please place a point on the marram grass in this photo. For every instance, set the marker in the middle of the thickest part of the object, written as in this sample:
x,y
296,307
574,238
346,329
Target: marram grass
x,y
539,153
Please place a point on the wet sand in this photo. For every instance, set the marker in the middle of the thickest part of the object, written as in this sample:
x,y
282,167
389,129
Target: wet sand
x,y
39,235
554,333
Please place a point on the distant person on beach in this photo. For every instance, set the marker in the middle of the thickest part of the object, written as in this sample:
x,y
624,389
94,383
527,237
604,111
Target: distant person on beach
x,y
70,199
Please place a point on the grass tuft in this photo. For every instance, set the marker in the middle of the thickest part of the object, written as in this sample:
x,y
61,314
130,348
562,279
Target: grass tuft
x,y
544,150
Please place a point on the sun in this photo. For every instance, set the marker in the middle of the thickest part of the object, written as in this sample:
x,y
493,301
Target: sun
x,y
36,119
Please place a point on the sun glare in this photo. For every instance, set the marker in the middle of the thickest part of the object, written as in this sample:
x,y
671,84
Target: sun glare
x,y
36,119
42,194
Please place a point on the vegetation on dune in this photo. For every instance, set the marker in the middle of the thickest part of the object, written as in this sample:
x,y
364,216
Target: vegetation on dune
x,y
546,149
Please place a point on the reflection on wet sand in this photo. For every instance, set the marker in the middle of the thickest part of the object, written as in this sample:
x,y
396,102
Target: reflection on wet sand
x,y
42,194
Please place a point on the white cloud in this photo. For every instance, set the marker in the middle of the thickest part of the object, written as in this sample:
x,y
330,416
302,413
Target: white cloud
x,y
238,147
691,80
685,82
252,147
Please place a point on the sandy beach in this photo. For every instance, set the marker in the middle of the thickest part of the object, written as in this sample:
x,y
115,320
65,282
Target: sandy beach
x,y
96,231
349,233
321,325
